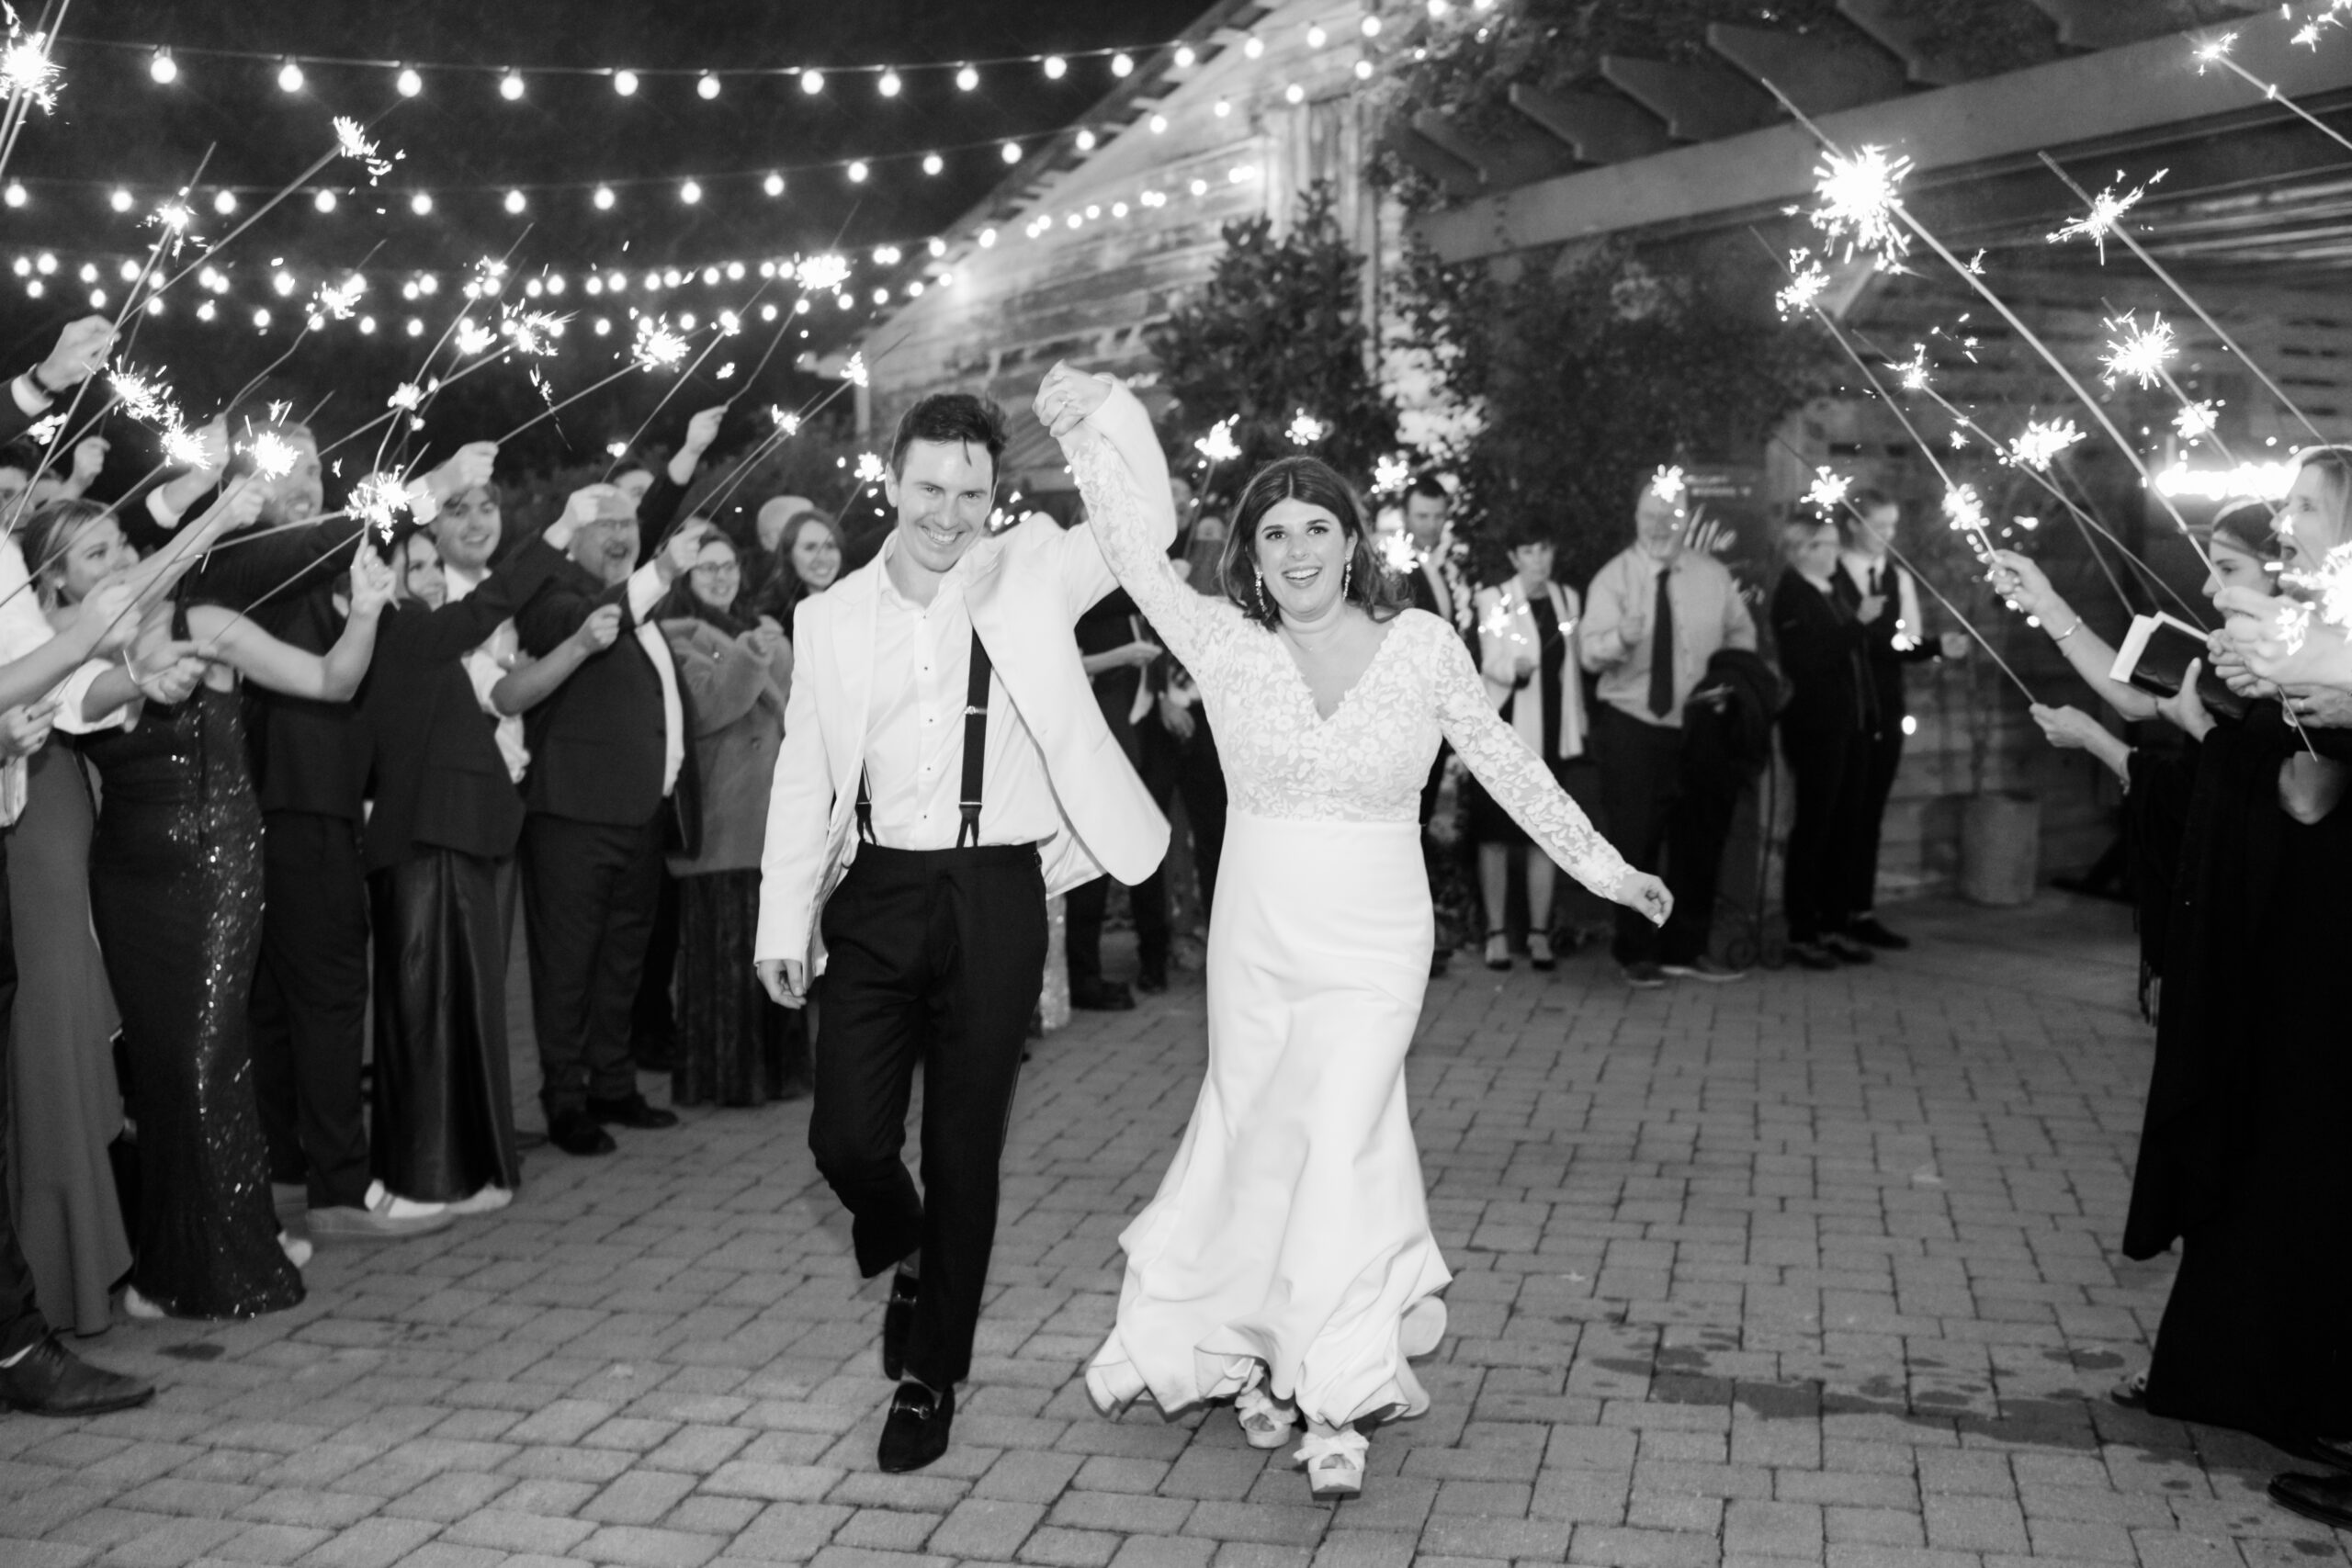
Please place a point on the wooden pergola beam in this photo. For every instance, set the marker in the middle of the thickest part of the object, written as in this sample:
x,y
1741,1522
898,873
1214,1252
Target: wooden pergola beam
x,y
1597,127
1697,103
1820,77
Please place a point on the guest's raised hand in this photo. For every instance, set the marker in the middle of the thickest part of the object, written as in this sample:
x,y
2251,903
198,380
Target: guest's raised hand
x,y
89,460
79,353
2185,710
467,467
702,430
2068,728
371,580
679,551
238,505
172,676
25,730
580,509
600,630
105,614
212,446
2023,583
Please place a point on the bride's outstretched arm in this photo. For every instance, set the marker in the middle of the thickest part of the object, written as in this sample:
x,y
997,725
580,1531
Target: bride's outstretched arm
x,y
1115,457
1517,778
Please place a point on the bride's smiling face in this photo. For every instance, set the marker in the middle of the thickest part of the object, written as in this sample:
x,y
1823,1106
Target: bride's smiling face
x,y
1302,552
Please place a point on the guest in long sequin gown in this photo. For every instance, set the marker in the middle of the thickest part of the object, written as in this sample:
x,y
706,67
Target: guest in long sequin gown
x,y
1288,1258
175,893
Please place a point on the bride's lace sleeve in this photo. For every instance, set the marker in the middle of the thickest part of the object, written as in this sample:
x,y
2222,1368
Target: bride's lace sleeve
x,y
1516,776
1196,628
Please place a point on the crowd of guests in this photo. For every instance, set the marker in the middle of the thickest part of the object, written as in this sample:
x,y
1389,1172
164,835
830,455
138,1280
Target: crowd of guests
x,y
279,788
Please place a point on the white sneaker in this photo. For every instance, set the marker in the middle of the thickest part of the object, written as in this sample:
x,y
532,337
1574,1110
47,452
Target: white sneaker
x,y
138,1306
386,1216
1266,1422
297,1250
488,1200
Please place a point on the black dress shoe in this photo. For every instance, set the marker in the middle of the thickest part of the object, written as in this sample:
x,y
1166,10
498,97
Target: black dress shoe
x,y
1868,931
916,1432
1846,949
2327,1498
1107,996
632,1111
576,1132
50,1380
897,1322
1152,982
2317,1450
1812,956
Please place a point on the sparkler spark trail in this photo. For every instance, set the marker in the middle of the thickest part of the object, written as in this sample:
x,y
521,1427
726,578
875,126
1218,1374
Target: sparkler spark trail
x,y
1218,446
337,302
2330,586
378,501
1389,474
27,73
854,371
183,448
472,338
531,332
1668,484
2042,440
351,142
1305,430
869,469
2196,420
2106,212
787,422
2142,353
1399,552
658,347
1828,489
1914,370
271,454
1859,200
405,397
146,399
1807,282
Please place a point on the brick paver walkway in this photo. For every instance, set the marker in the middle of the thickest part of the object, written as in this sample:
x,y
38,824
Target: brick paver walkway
x,y
1816,1269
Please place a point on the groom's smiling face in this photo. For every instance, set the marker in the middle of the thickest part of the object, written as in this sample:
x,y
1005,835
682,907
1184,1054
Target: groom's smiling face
x,y
941,490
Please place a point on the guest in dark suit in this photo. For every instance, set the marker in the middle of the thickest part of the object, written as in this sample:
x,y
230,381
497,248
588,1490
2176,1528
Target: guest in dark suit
x,y
1891,644
611,785
1435,581
1825,732
1117,653
446,817
80,352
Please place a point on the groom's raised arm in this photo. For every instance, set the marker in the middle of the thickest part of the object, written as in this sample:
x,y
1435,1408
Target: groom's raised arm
x,y
1121,421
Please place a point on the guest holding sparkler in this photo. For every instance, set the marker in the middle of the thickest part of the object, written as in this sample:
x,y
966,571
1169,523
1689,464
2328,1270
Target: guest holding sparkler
x,y
1893,642
1655,616
735,1045
1527,632
2242,1160
175,891
1826,731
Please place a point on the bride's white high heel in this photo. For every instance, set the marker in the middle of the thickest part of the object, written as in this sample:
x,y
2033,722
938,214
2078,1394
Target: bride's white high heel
x,y
1334,1463
1266,1422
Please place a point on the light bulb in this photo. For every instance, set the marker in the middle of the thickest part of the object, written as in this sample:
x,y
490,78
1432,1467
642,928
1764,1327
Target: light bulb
x,y
690,193
1294,94
224,203
988,238
419,204
813,81
514,202
409,82
857,172
1185,57
1122,63
121,200
1316,36
1363,70
1012,151
1371,26
1086,141
289,77
889,86
1055,67
323,201
510,87
1159,124
1254,48
164,68
604,199
932,162
966,79
625,83
707,86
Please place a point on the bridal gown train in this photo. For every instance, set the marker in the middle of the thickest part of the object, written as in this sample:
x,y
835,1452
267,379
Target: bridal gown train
x,y
1290,1239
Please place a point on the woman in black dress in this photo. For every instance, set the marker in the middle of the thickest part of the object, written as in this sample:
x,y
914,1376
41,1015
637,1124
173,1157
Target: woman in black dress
x,y
176,895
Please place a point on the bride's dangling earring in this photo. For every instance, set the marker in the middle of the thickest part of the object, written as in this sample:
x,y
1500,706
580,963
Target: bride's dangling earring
x,y
1262,594
1347,576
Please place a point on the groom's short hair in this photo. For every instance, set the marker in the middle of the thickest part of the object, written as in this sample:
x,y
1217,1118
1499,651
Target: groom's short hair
x,y
950,417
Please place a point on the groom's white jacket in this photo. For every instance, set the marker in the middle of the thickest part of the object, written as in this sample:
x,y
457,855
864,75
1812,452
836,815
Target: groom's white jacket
x,y
1026,588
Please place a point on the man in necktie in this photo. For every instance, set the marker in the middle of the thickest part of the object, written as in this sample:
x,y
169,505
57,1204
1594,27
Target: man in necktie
x,y
1654,615
1896,642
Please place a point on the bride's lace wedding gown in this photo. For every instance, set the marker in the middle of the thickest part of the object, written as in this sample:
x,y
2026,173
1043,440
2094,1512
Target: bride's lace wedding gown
x,y
1290,1238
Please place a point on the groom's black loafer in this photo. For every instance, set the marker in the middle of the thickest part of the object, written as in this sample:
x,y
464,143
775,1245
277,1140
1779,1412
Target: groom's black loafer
x,y
2327,1498
897,1322
916,1432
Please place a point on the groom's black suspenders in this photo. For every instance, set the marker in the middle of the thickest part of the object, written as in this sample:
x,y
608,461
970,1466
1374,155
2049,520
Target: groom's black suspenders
x,y
975,744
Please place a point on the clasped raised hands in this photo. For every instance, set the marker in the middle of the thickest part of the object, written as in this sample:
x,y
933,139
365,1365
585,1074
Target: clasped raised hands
x,y
1066,396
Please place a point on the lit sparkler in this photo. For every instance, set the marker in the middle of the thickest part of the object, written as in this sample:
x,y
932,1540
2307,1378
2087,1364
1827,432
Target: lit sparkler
x,y
406,397
1827,491
531,332
183,448
1305,430
27,72
351,142
2041,441
1858,202
786,421
1218,446
822,273
2107,211
2330,587
337,302
378,501
2214,50
854,371
1668,484
1399,552
2196,421
472,338
272,456
1807,282
658,347
2140,352
145,399
1914,371
1390,474
869,469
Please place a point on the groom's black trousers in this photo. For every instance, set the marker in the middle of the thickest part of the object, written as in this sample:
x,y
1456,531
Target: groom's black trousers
x,y
934,957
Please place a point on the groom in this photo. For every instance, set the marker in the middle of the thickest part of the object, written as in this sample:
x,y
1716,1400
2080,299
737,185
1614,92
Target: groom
x,y
945,770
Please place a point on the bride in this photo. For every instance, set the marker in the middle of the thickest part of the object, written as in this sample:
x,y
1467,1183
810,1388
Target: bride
x,y
1287,1260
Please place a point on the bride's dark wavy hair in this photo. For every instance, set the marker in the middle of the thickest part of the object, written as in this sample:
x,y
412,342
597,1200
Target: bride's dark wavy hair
x,y
1370,587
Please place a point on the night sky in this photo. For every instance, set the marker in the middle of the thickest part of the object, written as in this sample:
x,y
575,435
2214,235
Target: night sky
x,y
467,145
